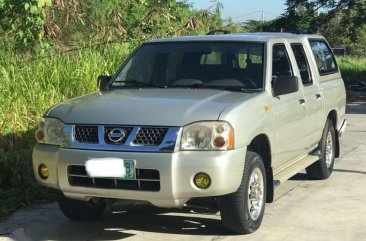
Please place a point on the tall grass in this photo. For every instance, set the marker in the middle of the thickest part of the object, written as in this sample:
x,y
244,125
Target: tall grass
x,y
29,85
353,69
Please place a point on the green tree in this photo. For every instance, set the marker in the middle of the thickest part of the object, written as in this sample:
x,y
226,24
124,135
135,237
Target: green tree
x,y
342,22
23,19
70,23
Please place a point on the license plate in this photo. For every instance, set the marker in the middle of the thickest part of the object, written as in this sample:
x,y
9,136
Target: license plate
x,y
111,168
130,170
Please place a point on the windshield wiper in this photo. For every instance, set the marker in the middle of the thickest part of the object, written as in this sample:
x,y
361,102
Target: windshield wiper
x,y
242,89
219,87
140,83
192,86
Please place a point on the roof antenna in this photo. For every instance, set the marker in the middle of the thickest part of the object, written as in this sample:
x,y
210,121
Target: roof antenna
x,y
214,32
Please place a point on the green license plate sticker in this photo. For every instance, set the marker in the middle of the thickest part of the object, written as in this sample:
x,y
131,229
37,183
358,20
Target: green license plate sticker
x,y
130,170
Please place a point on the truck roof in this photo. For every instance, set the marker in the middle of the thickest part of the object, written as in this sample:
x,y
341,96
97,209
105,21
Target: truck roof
x,y
251,37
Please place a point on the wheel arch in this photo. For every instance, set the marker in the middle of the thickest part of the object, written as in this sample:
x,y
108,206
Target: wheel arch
x,y
262,146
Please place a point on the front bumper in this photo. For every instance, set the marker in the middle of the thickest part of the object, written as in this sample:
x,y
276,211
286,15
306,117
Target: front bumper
x,y
176,173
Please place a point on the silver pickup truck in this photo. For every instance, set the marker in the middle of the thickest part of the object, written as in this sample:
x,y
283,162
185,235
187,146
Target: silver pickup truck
x,y
227,116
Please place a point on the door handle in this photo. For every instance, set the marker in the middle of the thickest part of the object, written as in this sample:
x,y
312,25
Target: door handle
x,y
318,96
302,101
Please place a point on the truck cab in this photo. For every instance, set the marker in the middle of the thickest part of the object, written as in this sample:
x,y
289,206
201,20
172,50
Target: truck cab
x,y
227,116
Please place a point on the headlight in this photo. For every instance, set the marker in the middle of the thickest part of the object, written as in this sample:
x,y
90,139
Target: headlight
x,y
50,131
210,135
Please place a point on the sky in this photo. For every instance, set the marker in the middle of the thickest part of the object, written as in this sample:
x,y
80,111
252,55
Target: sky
x,y
241,10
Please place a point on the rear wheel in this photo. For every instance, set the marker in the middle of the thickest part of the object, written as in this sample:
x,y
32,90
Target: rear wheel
x,y
323,168
242,211
81,210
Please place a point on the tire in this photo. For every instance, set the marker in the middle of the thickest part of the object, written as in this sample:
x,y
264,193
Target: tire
x,y
323,168
81,210
234,207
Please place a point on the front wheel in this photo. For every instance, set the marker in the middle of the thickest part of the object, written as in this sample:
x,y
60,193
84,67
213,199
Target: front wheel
x,y
242,211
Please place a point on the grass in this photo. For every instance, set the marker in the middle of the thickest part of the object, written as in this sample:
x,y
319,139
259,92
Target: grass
x,y
29,86
353,69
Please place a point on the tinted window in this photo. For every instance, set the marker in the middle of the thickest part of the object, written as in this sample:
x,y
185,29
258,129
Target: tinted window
x,y
215,57
281,65
302,63
323,56
249,56
141,69
214,64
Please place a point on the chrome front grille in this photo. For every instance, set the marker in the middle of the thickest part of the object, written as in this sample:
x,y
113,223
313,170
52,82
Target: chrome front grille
x,y
86,134
150,136
121,138
146,180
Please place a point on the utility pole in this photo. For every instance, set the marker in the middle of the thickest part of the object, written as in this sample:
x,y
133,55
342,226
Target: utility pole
x,y
262,21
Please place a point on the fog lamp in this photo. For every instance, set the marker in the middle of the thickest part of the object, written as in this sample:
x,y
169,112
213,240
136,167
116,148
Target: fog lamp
x,y
43,171
202,180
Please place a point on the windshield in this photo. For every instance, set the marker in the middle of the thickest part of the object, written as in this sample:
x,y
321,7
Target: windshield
x,y
228,65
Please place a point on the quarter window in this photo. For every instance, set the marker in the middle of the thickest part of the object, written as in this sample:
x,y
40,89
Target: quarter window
x,y
324,57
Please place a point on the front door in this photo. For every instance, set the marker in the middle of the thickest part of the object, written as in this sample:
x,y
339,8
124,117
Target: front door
x,y
290,112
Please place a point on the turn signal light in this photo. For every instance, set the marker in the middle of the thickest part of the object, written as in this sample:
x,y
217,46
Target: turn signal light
x,y
230,144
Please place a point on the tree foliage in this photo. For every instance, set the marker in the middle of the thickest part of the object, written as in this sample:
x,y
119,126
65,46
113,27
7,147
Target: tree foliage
x,y
24,19
65,23
342,22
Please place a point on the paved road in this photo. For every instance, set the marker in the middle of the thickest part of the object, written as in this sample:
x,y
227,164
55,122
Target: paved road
x,y
334,209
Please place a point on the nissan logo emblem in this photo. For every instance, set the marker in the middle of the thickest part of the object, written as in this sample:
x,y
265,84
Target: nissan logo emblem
x,y
116,135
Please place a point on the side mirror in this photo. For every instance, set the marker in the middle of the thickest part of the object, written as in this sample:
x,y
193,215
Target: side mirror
x,y
103,81
285,85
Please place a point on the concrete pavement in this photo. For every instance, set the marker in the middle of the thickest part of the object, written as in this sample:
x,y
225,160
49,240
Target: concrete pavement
x,y
334,209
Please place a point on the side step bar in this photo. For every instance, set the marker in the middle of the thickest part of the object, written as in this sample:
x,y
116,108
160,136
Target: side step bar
x,y
295,167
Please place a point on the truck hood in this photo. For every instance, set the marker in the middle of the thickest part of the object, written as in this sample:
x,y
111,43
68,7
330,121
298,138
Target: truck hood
x,y
155,107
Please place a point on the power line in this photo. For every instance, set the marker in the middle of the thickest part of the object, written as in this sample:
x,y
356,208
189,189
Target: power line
x,y
262,12
271,13
245,15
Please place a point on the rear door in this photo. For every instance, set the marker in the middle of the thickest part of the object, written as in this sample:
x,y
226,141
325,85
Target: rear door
x,y
290,112
313,96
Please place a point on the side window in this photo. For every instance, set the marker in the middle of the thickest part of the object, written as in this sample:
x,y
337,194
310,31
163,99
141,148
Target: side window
x,y
302,63
324,57
281,66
